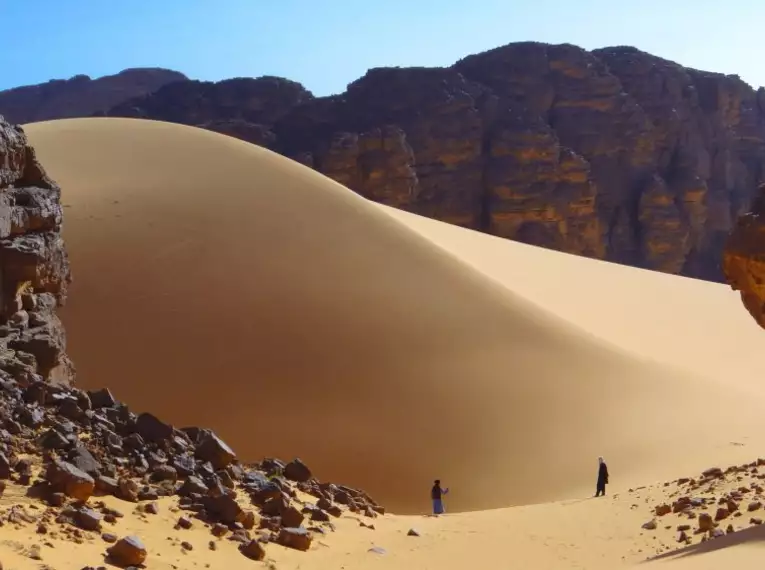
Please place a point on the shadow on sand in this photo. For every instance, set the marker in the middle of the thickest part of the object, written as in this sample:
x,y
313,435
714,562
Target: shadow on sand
x,y
750,535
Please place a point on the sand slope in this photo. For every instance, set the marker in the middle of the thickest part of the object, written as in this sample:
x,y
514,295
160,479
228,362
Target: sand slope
x,y
685,322
218,283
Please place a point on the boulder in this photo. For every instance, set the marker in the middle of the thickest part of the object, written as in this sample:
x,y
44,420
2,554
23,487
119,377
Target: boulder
x,y
66,478
297,538
128,551
296,470
213,449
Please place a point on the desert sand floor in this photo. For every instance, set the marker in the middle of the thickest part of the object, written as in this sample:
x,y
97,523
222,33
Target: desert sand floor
x,y
590,533
217,283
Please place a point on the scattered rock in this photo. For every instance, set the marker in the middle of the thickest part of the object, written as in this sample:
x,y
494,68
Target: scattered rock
x,y
650,525
414,532
722,513
296,470
662,510
705,522
253,549
128,551
297,538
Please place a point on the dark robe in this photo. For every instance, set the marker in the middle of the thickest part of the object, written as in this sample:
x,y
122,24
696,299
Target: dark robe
x,y
603,475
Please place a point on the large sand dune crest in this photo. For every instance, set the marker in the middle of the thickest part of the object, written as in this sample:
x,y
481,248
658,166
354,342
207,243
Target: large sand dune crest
x,y
218,283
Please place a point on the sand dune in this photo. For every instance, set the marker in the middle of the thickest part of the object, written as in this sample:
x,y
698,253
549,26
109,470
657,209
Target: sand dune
x,y
684,322
218,283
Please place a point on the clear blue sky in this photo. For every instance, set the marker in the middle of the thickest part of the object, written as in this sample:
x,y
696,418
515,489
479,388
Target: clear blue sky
x,y
325,44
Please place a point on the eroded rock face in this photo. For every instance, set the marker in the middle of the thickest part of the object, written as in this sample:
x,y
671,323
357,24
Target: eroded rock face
x,y
614,153
744,258
34,269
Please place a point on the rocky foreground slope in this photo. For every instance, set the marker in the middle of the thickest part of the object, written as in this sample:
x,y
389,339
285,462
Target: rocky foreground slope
x,y
612,153
72,449
34,269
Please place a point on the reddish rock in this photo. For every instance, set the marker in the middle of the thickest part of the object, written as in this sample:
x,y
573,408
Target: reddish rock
x,y
662,510
744,259
66,478
128,551
253,549
706,522
297,538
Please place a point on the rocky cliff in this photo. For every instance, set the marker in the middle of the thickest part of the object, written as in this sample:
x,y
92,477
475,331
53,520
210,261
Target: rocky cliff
x,y
613,154
34,270
80,96
744,258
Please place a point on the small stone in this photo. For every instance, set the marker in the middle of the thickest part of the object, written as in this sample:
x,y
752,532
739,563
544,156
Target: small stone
x,y
109,537
253,549
722,513
705,522
151,508
184,522
650,525
662,510
186,546
34,552
413,532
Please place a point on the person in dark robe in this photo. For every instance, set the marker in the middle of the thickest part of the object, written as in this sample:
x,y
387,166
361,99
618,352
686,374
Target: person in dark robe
x,y
436,494
602,478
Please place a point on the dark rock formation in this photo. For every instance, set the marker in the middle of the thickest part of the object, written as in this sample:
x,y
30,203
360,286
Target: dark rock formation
x,y
34,269
744,258
614,154
242,107
81,96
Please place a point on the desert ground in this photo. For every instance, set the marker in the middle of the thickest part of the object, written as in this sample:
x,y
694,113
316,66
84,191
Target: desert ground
x,y
219,284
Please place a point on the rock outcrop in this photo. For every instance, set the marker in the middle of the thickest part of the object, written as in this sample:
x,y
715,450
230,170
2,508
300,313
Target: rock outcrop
x,y
613,153
34,269
744,258
81,96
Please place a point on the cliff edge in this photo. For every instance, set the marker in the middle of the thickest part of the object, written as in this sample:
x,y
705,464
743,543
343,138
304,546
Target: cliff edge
x,y
34,269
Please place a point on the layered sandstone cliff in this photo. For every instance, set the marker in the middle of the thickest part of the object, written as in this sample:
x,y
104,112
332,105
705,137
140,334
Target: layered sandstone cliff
x,y
34,269
614,153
